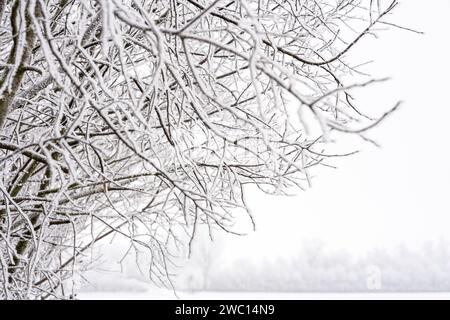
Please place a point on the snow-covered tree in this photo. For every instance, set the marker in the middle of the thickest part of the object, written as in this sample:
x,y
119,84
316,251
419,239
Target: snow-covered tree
x,y
145,119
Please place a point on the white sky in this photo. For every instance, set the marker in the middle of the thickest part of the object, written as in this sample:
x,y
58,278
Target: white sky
x,y
381,197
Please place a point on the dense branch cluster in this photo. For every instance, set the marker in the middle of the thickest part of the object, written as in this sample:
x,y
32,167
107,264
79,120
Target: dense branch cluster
x,y
146,119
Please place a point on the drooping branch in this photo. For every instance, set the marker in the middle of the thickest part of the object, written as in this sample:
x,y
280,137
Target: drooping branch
x,y
147,119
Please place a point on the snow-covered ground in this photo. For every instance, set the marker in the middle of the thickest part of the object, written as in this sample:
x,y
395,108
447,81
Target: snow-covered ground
x,y
167,295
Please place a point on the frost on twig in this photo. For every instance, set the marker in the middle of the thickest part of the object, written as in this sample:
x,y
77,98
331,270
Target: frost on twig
x,y
146,119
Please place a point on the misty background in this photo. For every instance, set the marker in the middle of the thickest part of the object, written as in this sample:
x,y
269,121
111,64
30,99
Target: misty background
x,y
379,222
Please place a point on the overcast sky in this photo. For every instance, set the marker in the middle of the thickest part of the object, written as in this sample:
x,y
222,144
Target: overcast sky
x,y
381,197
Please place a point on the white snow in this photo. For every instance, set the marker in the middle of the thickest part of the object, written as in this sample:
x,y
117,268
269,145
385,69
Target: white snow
x,y
168,295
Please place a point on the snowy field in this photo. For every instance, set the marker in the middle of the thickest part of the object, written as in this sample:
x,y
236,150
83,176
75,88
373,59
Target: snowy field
x,y
167,295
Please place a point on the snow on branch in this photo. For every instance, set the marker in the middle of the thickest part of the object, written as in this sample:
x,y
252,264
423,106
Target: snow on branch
x,y
146,119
